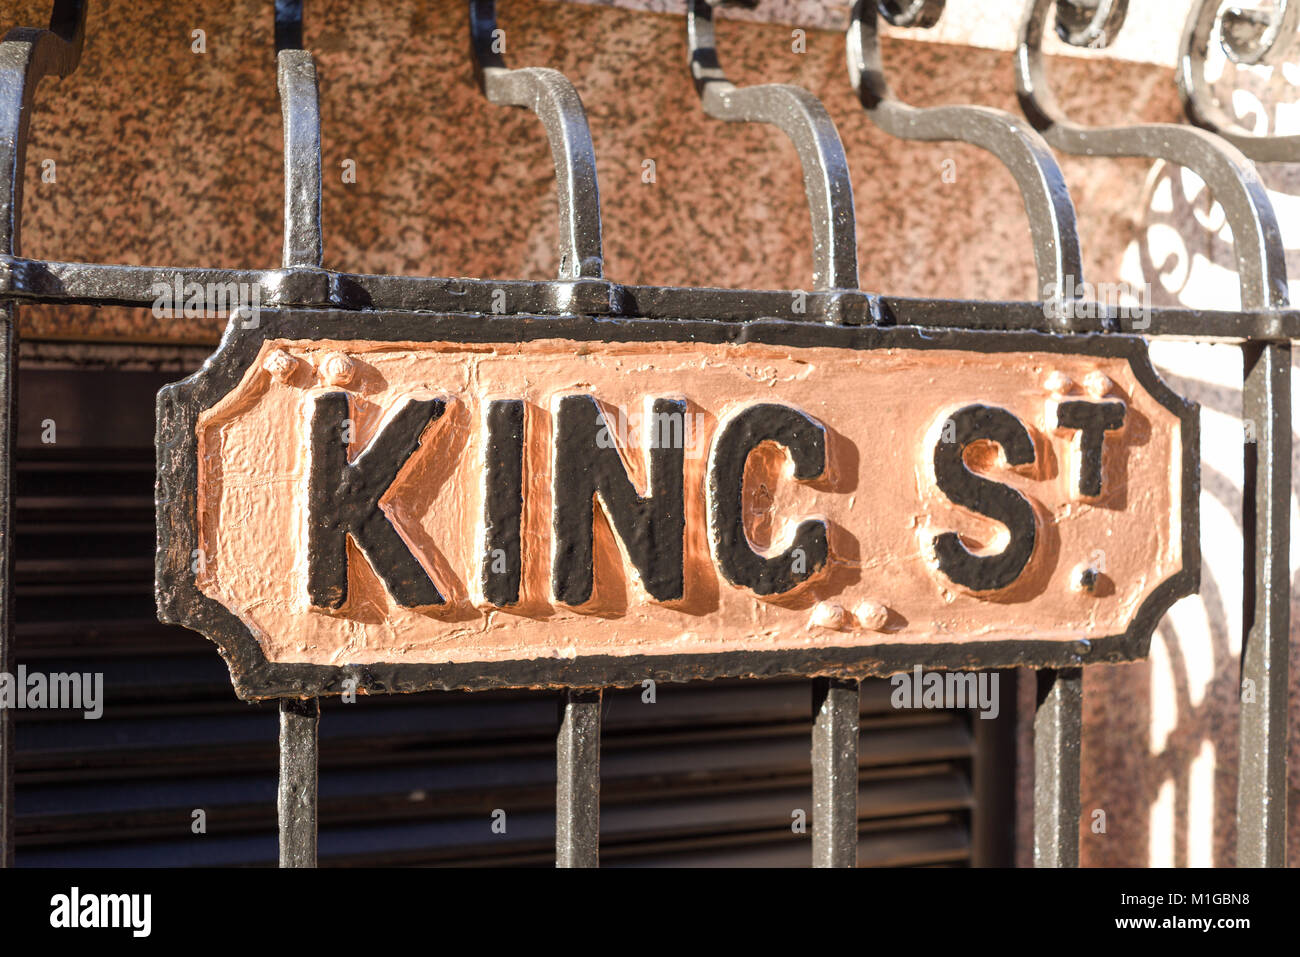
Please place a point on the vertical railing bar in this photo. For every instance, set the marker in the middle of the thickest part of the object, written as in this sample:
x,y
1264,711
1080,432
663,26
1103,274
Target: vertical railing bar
x,y
836,708
1262,776
1052,222
288,24
300,112
303,247
994,776
8,368
811,131
299,760
1266,402
1044,194
26,56
1058,732
16,61
556,103
1257,245
577,784
829,191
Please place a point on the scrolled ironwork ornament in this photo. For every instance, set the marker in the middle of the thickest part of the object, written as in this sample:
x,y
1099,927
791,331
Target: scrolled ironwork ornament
x,y
1020,149
802,118
1249,38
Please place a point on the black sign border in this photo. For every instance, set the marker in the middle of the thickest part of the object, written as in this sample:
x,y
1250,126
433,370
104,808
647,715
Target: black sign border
x,y
180,601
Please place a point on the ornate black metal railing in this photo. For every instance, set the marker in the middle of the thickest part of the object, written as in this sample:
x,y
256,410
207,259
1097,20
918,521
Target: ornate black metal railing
x,y
1264,327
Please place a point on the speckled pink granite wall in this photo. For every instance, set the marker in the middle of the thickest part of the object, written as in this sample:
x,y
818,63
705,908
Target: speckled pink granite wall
x,y
166,156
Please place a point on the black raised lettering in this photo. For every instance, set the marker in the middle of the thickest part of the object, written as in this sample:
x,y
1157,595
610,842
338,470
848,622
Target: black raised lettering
x,y
587,465
1093,420
805,442
503,501
993,499
343,499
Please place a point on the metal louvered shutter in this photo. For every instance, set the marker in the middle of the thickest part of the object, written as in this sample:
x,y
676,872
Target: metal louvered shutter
x,y
709,774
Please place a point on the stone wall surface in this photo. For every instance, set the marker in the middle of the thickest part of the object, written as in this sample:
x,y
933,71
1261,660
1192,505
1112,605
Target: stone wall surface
x,y
165,156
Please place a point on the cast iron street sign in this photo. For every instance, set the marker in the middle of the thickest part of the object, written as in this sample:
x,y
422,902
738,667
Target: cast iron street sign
x,y
395,502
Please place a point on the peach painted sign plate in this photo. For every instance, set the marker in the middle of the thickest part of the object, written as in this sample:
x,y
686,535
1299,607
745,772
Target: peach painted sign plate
x,y
396,503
